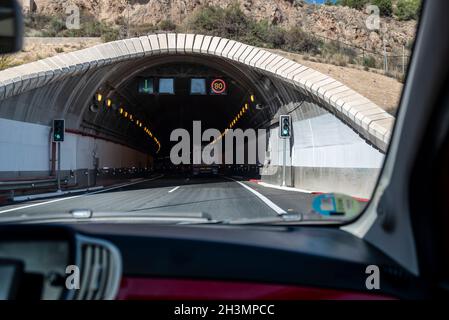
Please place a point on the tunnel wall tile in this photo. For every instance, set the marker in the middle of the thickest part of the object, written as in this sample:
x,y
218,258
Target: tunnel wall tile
x,y
197,43
281,70
145,42
257,55
190,39
251,55
154,42
171,42
232,53
244,52
163,42
238,54
205,45
130,47
180,43
258,61
213,45
270,64
281,65
221,45
227,49
324,89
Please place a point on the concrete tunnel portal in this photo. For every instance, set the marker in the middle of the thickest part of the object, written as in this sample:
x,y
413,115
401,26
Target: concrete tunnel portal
x,y
337,133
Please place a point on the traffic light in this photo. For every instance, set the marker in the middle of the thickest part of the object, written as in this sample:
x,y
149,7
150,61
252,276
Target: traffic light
x,y
58,130
285,126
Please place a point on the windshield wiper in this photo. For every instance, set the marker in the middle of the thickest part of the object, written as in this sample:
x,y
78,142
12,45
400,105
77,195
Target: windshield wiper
x,y
280,219
87,215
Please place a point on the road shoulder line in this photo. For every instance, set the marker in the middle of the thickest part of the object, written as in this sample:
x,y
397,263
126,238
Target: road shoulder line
x,y
267,201
174,189
74,197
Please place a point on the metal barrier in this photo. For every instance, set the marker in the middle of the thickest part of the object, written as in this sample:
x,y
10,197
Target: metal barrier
x,y
29,184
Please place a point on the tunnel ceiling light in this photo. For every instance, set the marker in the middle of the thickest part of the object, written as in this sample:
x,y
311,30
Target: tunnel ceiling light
x,y
252,98
99,97
108,103
246,106
140,124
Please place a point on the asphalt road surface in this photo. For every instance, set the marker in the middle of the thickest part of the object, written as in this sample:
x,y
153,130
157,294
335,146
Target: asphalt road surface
x,y
222,198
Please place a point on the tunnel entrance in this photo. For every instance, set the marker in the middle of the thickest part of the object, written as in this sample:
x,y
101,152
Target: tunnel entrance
x,y
121,100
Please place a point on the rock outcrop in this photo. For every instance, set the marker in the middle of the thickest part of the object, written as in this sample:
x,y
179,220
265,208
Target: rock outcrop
x,y
335,22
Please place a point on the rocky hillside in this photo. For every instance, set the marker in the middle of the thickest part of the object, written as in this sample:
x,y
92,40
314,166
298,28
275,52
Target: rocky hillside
x,y
335,22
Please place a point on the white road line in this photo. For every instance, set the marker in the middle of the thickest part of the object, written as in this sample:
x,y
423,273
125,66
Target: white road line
x,y
38,204
267,201
174,189
74,197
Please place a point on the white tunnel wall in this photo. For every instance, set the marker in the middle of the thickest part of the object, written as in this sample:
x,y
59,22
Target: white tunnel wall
x,y
25,151
325,156
23,147
324,141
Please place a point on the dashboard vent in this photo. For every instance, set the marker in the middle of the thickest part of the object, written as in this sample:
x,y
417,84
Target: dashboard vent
x,y
100,268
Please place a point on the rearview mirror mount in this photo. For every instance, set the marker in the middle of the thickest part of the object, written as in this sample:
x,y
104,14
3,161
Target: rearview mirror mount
x,y
11,26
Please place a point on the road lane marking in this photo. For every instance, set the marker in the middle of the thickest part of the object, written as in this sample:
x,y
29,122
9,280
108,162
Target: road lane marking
x,y
38,204
74,197
174,189
267,201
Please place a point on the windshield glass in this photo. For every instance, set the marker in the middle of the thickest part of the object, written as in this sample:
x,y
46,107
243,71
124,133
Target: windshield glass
x,y
230,112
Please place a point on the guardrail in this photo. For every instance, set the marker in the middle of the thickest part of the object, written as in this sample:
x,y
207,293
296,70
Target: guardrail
x,y
29,184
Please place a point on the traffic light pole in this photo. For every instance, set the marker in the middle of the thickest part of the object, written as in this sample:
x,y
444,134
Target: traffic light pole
x,y
284,162
58,174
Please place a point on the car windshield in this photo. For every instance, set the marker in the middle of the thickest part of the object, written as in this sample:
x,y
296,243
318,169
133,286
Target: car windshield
x,y
232,112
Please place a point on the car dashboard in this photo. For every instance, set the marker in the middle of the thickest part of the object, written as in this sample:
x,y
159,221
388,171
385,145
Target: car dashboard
x,y
101,261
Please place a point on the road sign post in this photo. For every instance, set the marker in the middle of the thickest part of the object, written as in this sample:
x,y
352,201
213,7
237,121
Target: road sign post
x,y
284,134
58,174
284,162
58,137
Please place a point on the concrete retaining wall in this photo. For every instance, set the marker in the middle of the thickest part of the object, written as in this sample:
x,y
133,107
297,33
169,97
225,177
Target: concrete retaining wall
x,y
323,155
25,151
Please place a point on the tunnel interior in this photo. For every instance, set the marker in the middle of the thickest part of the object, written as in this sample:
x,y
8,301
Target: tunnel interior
x,y
171,93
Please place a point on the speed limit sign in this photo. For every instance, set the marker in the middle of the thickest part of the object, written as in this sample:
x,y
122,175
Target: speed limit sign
x,y
218,86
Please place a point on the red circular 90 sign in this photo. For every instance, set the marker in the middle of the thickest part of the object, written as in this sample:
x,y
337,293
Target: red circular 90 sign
x,y
218,86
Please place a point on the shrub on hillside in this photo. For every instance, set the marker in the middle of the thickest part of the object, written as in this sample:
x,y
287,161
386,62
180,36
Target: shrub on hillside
x,y
356,4
208,20
385,6
369,62
299,41
265,35
167,25
408,9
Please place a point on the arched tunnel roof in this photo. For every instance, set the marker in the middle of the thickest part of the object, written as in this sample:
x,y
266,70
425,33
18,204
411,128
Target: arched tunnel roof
x,y
71,79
